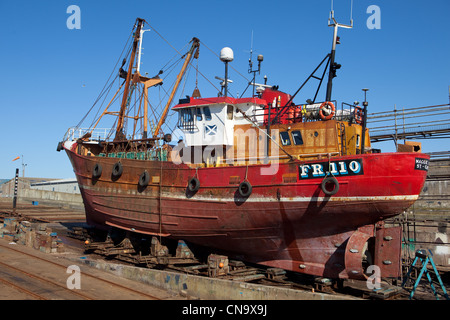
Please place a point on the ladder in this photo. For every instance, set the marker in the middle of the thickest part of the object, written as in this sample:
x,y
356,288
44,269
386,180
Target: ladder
x,y
424,257
341,133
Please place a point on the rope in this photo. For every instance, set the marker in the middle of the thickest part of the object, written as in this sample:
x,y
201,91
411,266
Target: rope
x,y
107,81
228,65
167,69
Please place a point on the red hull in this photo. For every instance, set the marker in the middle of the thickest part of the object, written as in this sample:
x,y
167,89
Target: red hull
x,y
286,222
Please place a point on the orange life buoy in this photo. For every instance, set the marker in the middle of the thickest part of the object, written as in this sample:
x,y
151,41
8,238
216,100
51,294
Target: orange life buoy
x,y
327,110
358,114
291,115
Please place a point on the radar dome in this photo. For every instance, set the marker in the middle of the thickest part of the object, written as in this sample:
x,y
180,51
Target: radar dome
x,y
226,54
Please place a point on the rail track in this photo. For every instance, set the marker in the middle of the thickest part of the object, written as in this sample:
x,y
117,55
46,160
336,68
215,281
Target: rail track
x,y
26,279
40,213
22,289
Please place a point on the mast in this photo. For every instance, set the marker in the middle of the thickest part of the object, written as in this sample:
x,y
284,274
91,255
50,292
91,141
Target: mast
x,y
333,65
120,122
195,47
138,67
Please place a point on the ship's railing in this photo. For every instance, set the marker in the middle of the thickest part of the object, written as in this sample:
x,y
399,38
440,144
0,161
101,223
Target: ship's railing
x,y
303,113
158,154
99,134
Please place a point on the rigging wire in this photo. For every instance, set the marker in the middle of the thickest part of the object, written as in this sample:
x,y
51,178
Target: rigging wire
x,y
103,102
228,65
167,69
190,63
102,92
185,80
162,37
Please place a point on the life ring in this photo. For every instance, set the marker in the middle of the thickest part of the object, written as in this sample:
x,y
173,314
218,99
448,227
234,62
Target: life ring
x,y
193,185
144,179
117,170
327,110
245,189
327,181
358,115
97,171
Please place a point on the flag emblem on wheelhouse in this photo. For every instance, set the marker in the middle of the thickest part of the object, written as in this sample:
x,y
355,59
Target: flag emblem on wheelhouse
x,y
338,168
211,130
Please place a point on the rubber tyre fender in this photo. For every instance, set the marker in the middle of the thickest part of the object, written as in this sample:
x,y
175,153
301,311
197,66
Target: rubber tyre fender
x,y
97,171
144,179
193,185
245,189
117,169
324,186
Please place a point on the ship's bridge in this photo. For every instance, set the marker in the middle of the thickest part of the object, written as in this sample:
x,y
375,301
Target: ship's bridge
x,y
211,121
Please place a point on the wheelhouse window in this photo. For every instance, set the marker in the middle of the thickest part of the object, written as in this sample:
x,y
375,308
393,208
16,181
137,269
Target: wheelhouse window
x,y
207,113
297,138
186,115
230,112
186,120
198,112
285,139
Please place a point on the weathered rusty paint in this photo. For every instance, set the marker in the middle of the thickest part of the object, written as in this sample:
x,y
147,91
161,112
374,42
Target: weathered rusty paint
x,y
354,252
388,248
292,226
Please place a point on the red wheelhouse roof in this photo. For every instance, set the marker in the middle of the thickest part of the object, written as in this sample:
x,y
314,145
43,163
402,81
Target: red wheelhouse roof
x,y
194,102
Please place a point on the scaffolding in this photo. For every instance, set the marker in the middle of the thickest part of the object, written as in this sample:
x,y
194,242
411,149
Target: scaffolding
x,y
432,122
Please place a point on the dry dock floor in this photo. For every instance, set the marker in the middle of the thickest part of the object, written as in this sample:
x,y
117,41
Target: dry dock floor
x,y
29,274
42,213
26,273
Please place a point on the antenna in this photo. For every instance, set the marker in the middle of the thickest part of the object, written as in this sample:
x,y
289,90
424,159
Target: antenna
x,y
250,65
333,65
332,21
141,39
222,83
351,12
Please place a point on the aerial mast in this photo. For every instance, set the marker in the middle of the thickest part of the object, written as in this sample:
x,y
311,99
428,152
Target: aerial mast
x,y
333,65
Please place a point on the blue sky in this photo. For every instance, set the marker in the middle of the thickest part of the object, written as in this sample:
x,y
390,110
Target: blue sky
x,y
52,75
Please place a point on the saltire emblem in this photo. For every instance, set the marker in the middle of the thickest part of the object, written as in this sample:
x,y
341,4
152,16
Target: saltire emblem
x,y
211,130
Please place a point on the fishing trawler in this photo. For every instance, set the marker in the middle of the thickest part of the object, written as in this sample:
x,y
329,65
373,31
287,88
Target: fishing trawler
x,y
260,178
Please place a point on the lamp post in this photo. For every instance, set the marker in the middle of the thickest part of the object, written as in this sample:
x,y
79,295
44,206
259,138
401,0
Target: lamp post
x,y
23,167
